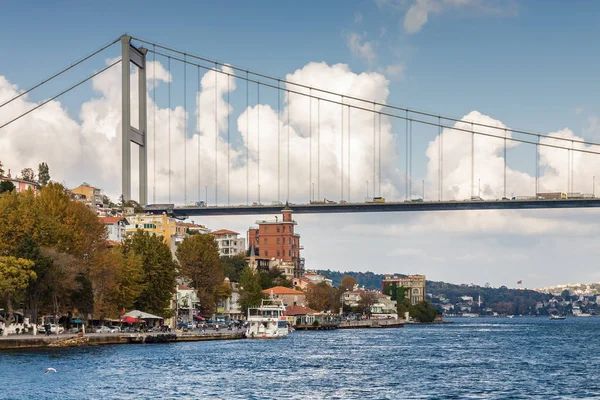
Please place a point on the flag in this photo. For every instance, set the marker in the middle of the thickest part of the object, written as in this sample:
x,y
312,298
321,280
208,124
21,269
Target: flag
x,y
519,282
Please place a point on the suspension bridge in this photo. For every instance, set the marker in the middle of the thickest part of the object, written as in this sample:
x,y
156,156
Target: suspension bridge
x,y
322,150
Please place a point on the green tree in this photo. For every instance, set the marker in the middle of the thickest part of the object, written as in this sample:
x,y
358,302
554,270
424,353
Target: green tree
x,y
200,264
43,174
37,290
423,311
27,174
233,266
250,290
15,274
158,272
6,186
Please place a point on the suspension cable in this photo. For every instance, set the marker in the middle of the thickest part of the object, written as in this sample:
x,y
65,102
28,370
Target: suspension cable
x,y
288,147
198,95
169,67
62,71
59,94
216,141
420,121
258,137
278,143
398,108
247,140
154,128
184,132
318,148
228,144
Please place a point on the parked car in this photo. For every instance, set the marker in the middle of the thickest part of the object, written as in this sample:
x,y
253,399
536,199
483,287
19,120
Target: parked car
x,y
103,329
115,329
61,329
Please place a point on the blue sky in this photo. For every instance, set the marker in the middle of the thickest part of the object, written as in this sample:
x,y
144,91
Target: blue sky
x,y
530,64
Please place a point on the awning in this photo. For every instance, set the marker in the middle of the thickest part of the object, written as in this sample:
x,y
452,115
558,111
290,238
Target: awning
x,y
131,320
140,314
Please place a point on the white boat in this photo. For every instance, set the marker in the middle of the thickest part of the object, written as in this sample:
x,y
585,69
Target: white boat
x,y
557,317
583,315
267,321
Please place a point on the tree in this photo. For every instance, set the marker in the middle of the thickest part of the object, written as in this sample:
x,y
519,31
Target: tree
x,y
347,283
158,272
250,290
233,266
1,169
27,174
320,296
15,274
43,174
367,300
6,186
199,263
423,312
37,290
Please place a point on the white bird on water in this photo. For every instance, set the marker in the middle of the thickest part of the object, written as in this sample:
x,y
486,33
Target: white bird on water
x,y
49,370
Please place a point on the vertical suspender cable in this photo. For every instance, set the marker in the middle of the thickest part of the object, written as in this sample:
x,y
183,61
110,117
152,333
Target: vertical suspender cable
x,y
410,124
572,168
154,124
216,140
184,130
439,159
278,142
170,79
228,143
342,152
379,191
349,155
247,141
374,146
311,195
406,169
472,161
258,137
505,167
318,148
442,163
198,129
537,166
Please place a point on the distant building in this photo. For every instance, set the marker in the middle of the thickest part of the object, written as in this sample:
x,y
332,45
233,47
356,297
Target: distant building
x,y
187,304
290,297
184,228
115,227
316,278
230,244
415,284
276,239
231,306
20,184
159,225
89,195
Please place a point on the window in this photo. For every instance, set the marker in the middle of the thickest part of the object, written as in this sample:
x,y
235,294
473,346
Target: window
x,y
289,240
266,229
277,240
278,253
277,229
290,228
266,240
289,253
266,253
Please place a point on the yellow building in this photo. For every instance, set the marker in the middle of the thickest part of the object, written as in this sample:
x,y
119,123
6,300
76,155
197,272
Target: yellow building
x,y
92,195
159,225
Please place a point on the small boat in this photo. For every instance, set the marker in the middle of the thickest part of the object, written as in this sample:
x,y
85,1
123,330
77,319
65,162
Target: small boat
x,y
267,321
510,316
561,317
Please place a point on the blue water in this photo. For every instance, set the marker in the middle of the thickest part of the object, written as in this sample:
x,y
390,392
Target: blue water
x,y
473,358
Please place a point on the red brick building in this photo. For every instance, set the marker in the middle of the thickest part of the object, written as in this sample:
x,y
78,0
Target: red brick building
x,y
277,239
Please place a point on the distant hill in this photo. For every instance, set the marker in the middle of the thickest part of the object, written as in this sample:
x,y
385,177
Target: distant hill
x,y
451,291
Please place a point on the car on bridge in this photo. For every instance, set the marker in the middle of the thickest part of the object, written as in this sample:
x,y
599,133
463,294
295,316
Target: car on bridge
x,y
374,200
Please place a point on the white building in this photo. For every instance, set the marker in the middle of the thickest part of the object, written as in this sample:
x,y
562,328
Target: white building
x,y
317,278
230,244
115,227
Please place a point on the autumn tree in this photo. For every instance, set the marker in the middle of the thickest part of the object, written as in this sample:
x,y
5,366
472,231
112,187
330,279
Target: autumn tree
x,y
250,290
27,174
158,272
43,174
38,289
347,284
1,169
320,296
200,264
233,266
15,274
367,300
62,279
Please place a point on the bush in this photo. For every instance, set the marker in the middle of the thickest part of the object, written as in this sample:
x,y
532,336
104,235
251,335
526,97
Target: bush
x,y
423,312
315,323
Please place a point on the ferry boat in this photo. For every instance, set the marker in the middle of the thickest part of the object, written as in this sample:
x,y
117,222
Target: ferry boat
x,y
267,321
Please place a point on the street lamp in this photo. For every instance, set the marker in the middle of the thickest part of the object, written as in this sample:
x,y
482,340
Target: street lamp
x,y
206,195
259,194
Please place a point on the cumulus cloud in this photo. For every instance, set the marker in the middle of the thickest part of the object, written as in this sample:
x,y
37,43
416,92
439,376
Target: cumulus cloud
x,y
361,48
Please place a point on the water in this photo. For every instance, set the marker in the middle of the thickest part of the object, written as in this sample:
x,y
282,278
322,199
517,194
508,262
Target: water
x,y
475,358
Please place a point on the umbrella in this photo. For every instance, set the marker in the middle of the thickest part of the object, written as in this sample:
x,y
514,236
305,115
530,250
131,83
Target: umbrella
x,y
130,320
201,318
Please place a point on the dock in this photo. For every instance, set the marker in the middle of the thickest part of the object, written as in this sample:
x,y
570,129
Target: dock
x,y
364,324
17,342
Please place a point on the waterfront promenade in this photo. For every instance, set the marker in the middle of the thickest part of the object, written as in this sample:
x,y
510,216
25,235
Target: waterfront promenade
x,y
15,342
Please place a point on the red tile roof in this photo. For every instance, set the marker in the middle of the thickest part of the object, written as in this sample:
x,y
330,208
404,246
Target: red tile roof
x,y
280,290
224,232
299,310
184,287
110,220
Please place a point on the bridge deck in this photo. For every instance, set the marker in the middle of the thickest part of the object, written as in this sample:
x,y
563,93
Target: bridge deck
x,y
378,207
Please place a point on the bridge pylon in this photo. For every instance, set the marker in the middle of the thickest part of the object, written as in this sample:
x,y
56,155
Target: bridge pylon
x,y
137,56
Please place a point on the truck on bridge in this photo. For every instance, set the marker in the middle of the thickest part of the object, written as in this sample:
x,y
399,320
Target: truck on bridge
x,y
374,200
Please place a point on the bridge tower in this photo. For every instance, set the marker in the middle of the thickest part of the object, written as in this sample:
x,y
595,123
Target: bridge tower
x,y
129,134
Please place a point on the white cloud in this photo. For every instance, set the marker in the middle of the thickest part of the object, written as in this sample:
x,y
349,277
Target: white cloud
x,y
418,14
363,49
394,71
